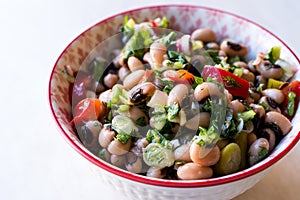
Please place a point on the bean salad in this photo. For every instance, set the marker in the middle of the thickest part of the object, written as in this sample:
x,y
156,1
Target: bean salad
x,y
182,106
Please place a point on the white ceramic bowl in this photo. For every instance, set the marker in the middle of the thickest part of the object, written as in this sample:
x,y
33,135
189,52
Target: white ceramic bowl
x,y
184,19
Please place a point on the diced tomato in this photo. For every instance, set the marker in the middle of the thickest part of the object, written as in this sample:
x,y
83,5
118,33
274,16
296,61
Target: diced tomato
x,y
292,87
154,24
237,86
182,76
87,109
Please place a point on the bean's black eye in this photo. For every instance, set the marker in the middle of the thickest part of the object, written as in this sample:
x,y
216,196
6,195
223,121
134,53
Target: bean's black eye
x,y
138,96
272,103
234,46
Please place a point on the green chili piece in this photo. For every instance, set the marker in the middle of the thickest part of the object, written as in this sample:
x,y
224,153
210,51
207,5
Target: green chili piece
x,y
291,103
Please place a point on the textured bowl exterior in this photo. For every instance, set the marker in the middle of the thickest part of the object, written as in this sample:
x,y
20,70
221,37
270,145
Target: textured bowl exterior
x,y
139,191
184,19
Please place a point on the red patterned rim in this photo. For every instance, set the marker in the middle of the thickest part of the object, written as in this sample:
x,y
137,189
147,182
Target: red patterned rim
x,y
172,183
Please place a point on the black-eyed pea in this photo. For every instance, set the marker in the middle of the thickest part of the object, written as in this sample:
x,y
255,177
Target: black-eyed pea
x,y
258,151
212,45
269,103
133,79
241,64
205,90
123,72
234,49
106,136
177,94
182,153
204,35
269,70
104,155
270,136
237,107
155,173
133,163
193,171
117,160
141,92
279,120
116,147
204,156
157,52
275,94
248,76
134,64
110,80
222,53
251,137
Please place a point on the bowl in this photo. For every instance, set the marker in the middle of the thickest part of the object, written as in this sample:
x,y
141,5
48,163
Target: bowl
x,y
183,18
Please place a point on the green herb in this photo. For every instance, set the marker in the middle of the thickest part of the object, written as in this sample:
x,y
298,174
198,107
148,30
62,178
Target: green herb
x,y
291,103
153,136
198,80
247,115
123,137
214,55
206,137
172,111
264,105
231,82
138,44
233,60
263,151
165,85
260,87
229,129
166,40
176,56
207,106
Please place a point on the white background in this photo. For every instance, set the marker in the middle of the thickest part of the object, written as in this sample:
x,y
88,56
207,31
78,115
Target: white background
x,y
36,162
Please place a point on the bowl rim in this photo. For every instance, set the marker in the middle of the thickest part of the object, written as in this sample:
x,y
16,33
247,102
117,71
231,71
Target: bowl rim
x,y
163,182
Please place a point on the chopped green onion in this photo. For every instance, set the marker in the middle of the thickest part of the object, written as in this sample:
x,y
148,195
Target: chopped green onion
x,y
172,111
123,124
156,155
247,115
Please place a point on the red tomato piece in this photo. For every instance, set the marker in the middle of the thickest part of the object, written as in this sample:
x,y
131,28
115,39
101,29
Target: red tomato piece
x,y
235,85
87,109
292,87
